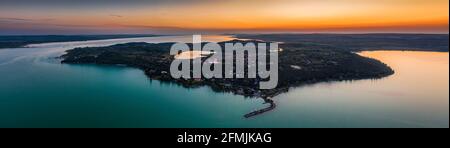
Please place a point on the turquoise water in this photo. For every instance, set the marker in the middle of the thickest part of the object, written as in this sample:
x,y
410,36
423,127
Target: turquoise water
x,y
37,91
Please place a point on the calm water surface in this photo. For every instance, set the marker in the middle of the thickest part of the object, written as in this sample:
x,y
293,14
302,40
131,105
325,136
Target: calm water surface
x,y
37,91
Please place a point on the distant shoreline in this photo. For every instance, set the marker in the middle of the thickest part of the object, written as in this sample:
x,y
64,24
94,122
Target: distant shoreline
x,y
360,42
19,41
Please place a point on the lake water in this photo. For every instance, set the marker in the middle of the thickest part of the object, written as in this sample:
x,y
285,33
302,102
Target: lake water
x,y
37,91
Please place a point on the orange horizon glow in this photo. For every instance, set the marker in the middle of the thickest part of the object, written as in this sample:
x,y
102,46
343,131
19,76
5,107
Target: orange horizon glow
x,y
277,15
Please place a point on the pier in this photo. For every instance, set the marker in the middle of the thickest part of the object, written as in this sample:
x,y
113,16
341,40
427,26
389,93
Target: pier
x,y
261,111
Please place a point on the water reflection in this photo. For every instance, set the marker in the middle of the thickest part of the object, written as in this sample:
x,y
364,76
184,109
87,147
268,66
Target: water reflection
x,y
415,96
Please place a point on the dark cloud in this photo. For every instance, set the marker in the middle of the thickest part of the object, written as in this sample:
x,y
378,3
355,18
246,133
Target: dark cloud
x,y
14,19
24,20
115,15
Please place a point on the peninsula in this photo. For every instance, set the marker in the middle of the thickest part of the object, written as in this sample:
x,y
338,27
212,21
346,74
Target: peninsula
x,y
297,66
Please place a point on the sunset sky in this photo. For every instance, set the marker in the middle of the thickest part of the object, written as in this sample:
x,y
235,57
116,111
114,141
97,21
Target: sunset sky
x,y
222,16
